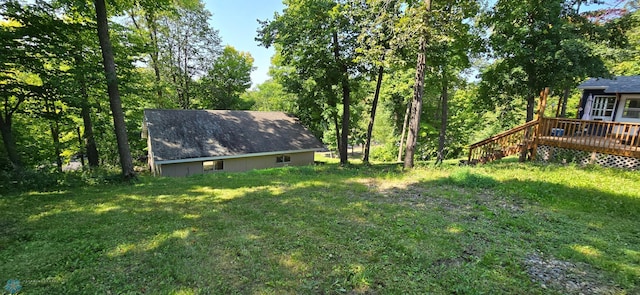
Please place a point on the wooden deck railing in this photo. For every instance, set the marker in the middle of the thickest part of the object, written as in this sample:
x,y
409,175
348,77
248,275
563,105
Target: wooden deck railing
x,y
507,143
614,138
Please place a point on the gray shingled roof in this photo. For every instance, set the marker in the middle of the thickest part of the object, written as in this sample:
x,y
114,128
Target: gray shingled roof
x,y
185,134
620,84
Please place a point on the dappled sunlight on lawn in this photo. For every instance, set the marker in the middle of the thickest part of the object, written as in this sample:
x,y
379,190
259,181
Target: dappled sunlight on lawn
x,y
587,250
217,195
150,244
294,262
453,229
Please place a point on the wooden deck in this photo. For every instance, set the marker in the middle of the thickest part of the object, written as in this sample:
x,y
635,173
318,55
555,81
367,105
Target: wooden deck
x,y
613,138
592,144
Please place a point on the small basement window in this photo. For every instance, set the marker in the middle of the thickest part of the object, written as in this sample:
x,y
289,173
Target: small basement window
x,y
283,159
212,166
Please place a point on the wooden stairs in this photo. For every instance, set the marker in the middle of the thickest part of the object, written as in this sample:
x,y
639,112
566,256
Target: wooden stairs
x,y
519,140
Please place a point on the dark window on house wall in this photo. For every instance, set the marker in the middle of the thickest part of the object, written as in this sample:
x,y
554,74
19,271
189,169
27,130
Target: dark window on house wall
x,y
631,108
209,166
283,159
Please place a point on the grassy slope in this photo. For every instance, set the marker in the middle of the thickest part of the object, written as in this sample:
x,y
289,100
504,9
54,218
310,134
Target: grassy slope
x,y
327,229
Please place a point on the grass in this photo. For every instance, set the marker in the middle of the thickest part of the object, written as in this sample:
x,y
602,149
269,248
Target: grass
x,y
328,230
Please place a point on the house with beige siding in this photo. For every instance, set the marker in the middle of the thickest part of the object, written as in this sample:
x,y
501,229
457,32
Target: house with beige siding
x,y
187,142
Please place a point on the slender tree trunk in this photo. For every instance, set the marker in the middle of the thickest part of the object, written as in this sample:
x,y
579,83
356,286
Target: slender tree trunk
x,y
9,141
565,98
416,106
153,35
80,146
89,139
55,136
85,112
531,102
416,103
126,162
336,124
444,119
346,101
404,130
187,78
374,106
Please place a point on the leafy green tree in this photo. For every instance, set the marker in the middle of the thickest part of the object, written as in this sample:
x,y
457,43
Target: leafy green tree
x,y
321,48
270,96
228,78
188,46
377,20
536,42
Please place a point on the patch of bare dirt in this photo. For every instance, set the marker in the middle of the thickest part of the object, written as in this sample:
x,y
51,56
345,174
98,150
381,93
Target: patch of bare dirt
x,y
567,277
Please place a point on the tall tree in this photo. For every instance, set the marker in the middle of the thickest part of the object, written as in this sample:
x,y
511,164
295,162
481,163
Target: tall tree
x,y
377,23
188,47
418,88
228,78
126,163
537,39
321,48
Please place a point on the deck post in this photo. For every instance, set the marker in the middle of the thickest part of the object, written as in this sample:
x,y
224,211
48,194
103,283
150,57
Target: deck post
x,y
540,117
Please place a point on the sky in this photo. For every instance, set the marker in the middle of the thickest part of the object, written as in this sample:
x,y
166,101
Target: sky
x,y
236,23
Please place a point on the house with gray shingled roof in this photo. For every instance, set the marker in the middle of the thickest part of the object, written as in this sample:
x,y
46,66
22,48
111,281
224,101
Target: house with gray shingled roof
x,y
616,99
187,142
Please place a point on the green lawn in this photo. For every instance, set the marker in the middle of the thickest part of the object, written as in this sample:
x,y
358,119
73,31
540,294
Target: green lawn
x,y
504,228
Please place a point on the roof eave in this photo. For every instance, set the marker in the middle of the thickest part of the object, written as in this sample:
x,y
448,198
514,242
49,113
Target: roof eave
x,y
593,87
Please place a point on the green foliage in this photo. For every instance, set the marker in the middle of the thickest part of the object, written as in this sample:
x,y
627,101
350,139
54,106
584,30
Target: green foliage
x,y
270,96
387,152
47,178
536,44
187,47
228,78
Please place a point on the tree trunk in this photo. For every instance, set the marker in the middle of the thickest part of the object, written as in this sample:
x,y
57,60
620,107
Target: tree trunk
x,y
126,162
55,136
374,106
346,101
565,98
336,125
80,146
9,141
85,113
153,35
416,106
531,102
89,140
416,103
404,130
186,79
444,119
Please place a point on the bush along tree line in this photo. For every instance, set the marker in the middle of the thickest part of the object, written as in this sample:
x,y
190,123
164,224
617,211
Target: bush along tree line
x,y
407,80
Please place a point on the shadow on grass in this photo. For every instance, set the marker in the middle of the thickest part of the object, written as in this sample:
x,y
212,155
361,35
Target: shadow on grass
x,y
315,230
